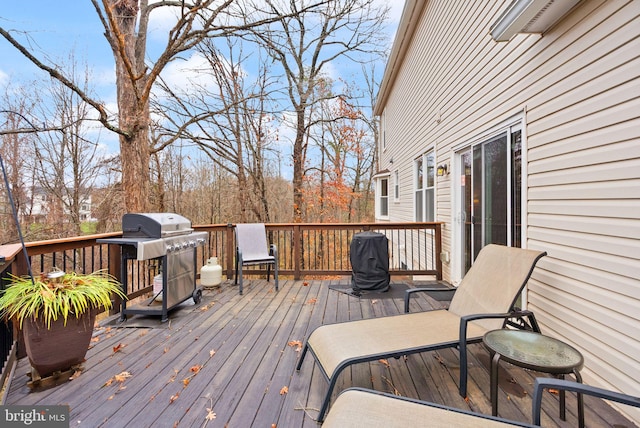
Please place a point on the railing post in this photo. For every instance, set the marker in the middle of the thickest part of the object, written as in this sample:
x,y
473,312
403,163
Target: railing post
x,y
20,265
230,256
438,251
297,251
114,266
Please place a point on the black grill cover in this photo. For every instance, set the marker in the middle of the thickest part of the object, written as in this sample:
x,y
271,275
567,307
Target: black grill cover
x,y
370,261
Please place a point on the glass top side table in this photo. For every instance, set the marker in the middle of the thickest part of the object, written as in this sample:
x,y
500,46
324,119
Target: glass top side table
x,y
533,351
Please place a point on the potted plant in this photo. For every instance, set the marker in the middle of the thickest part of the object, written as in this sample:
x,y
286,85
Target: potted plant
x,y
56,313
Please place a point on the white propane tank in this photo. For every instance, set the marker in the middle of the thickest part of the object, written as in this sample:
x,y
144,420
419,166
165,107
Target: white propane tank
x,y
211,273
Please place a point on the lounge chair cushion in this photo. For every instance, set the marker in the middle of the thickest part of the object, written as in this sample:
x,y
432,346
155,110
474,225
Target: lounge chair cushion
x,y
356,409
334,344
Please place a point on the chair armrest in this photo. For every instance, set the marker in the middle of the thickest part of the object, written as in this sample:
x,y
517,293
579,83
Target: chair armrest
x,y
567,385
513,314
408,293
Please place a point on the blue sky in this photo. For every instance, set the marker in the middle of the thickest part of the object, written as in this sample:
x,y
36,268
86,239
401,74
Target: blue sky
x,y
54,29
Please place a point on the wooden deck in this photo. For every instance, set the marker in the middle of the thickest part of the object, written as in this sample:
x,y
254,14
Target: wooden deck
x,y
230,361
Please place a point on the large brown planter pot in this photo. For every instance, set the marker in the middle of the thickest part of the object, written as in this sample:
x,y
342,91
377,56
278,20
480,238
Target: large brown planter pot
x,y
59,347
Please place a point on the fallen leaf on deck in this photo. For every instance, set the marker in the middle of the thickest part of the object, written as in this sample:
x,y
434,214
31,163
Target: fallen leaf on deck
x,y
75,375
296,344
185,382
122,376
174,397
206,307
195,369
284,390
118,378
312,301
210,415
384,362
118,348
212,353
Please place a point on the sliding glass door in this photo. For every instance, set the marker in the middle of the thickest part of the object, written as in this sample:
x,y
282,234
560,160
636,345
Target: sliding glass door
x,y
489,194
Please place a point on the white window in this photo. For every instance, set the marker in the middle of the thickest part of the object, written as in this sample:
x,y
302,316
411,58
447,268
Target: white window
x,y
383,197
424,169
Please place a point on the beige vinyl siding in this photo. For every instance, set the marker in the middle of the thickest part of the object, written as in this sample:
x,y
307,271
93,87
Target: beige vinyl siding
x,y
584,190
578,88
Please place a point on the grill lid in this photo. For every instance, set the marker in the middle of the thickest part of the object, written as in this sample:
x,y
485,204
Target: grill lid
x,y
154,225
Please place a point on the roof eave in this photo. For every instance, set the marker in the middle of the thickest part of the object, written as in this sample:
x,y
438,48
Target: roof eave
x,y
406,28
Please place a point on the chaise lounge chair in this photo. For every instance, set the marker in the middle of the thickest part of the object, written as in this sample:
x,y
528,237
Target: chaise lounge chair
x,y
483,301
357,407
252,249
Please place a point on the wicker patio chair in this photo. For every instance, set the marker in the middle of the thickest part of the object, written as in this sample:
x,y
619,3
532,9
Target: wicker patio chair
x,y
483,301
252,248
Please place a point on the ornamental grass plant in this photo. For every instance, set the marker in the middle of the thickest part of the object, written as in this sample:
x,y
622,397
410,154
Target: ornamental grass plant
x,y
58,294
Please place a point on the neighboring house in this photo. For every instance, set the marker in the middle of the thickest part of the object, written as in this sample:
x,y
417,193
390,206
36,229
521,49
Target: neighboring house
x,y
531,141
40,206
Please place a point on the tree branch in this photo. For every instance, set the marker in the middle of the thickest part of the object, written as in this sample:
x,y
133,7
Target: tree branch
x,y
104,117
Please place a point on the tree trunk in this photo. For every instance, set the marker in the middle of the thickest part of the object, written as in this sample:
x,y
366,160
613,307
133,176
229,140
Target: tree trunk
x,y
133,112
298,167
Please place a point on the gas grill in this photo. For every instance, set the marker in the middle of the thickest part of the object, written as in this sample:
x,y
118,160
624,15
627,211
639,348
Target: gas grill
x,y
168,239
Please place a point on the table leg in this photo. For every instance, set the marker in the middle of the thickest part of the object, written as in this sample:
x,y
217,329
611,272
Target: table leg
x,y
494,383
576,373
563,406
580,398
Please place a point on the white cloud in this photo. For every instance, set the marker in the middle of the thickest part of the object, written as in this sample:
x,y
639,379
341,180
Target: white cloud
x,y
183,75
103,76
161,21
4,78
395,10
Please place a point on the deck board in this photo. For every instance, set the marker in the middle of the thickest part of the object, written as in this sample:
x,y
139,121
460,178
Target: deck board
x,y
232,355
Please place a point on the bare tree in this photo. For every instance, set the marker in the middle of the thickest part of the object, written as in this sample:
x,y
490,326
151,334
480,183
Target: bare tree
x,y
305,44
68,163
229,119
16,151
367,161
125,23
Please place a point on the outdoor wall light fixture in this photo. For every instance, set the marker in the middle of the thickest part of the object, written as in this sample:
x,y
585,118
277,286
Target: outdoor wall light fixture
x,y
442,170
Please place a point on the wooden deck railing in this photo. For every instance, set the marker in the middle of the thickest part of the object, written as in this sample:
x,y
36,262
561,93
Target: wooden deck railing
x,y
304,249
314,249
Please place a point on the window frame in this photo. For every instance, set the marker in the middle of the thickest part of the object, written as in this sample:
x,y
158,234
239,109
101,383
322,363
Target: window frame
x,y
424,182
382,201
